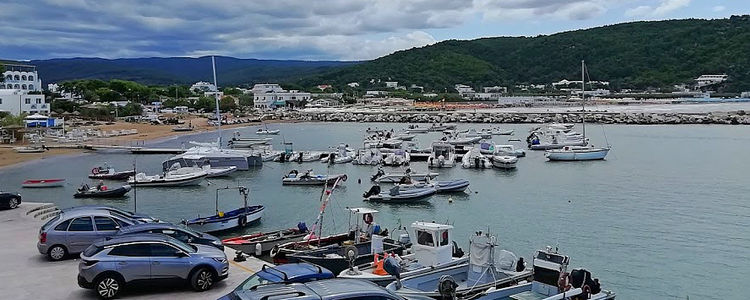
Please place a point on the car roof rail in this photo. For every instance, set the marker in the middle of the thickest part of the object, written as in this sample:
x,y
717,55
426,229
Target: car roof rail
x,y
290,294
286,277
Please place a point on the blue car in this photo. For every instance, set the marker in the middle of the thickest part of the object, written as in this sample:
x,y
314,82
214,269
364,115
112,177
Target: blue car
x,y
287,273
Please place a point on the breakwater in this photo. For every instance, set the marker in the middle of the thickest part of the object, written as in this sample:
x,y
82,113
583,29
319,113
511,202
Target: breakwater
x,y
729,118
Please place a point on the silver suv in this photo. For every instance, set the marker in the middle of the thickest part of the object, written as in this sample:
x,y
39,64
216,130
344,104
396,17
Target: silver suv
x,y
73,231
107,266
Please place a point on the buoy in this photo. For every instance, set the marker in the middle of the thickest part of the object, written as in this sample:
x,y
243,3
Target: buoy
x,y
450,199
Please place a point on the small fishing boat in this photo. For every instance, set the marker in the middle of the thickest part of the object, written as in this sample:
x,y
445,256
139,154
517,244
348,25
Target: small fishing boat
x,y
212,172
101,192
552,281
445,186
181,177
473,133
486,147
465,280
442,127
474,159
267,132
305,156
509,150
404,136
399,194
43,183
433,250
443,155
368,156
397,158
504,161
462,140
182,128
383,177
577,153
498,131
228,220
417,129
108,173
241,142
30,149
267,240
310,178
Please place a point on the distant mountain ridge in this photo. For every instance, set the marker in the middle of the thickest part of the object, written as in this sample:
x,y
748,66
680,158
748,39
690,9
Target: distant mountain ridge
x,y
629,55
180,70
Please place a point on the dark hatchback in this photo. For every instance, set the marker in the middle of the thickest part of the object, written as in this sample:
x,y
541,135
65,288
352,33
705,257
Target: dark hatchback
x,y
287,273
9,200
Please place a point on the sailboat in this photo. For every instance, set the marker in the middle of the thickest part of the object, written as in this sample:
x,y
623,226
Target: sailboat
x,y
579,153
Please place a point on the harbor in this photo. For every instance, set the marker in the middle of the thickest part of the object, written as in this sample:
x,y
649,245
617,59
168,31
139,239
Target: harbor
x,y
539,203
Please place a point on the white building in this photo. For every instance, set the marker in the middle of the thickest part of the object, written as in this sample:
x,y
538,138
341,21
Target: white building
x,y
53,87
353,84
463,89
19,101
202,86
213,94
495,89
271,95
21,77
391,84
375,93
705,80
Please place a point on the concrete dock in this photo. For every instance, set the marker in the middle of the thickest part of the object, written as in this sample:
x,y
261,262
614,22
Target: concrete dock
x,y
26,274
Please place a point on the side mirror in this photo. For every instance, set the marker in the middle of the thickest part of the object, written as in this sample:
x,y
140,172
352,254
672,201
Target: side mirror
x,y
189,239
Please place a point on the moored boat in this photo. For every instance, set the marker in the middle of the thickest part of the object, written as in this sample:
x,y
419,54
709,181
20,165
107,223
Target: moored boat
x,y
221,221
212,172
181,177
577,153
310,178
504,161
43,183
474,159
443,155
398,194
109,173
396,177
266,240
101,192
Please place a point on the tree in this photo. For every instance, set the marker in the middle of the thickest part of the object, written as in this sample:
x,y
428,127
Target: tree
x,y
227,104
2,70
205,104
231,91
11,120
246,100
131,109
107,95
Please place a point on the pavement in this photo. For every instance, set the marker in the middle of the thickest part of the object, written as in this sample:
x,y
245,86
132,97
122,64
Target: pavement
x,y
26,274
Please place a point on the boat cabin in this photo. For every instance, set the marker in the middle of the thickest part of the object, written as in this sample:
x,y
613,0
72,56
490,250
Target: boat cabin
x,y
548,266
443,149
434,243
362,223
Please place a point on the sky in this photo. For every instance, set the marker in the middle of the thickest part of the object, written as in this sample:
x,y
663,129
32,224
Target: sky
x,y
305,29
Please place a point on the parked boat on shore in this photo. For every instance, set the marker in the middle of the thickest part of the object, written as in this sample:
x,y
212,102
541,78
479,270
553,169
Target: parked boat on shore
x,y
43,183
30,149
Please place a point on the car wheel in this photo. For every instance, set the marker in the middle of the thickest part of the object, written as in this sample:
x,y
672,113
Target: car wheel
x,y
12,203
57,252
108,286
202,280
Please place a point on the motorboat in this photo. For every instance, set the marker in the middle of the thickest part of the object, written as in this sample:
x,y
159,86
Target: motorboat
x,y
577,153
498,131
342,155
441,127
267,132
486,147
248,142
108,173
396,177
399,194
305,156
397,158
504,161
457,140
433,250
221,221
508,150
444,186
356,251
474,159
416,129
185,176
553,139
101,192
368,156
552,280
464,280
310,178
216,157
266,240
473,133
443,155
213,172
43,183
30,149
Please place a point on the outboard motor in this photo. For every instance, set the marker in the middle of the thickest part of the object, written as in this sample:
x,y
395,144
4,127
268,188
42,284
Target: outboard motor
x,y
447,287
457,251
377,175
374,190
393,268
331,158
581,278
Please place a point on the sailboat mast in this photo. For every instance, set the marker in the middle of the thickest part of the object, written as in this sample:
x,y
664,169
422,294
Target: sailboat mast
x,y
216,97
583,98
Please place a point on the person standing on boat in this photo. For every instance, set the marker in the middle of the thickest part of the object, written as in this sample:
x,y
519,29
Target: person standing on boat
x,y
520,265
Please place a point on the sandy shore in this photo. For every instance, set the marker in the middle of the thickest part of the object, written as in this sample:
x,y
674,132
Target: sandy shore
x,y
146,132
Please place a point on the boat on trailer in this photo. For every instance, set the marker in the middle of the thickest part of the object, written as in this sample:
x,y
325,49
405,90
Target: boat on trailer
x,y
221,221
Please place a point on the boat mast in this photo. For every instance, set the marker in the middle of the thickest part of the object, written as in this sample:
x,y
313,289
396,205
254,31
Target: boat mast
x,y
216,98
583,98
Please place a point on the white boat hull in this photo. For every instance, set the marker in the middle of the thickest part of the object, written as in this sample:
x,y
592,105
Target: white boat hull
x,y
504,162
226,224
219,172
577,155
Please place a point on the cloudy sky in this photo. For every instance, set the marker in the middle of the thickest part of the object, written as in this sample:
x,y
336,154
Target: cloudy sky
x,y
304,29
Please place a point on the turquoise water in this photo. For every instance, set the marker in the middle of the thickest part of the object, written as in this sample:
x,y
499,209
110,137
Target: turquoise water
x,y
666,216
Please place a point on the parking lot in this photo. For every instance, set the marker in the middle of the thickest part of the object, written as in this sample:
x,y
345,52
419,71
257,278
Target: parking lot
x,y
26,274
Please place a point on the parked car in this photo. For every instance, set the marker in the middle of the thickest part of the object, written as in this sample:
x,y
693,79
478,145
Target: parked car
x,y
329,289
72,231
107,266
185,235
128,214
9,200
287,273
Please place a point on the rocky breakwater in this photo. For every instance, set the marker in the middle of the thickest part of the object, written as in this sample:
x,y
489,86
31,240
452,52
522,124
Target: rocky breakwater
x,y
731,118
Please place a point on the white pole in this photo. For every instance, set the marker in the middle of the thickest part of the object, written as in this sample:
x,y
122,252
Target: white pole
x,y
216,97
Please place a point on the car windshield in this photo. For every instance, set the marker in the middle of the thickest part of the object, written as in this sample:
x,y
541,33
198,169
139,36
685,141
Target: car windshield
x,y
185,247
193,232
252,281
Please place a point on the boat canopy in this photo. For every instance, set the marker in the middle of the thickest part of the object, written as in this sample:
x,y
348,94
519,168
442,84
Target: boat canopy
x,y
361,210
434,244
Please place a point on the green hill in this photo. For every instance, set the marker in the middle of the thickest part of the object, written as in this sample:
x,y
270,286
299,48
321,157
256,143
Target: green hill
x,y
629,55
